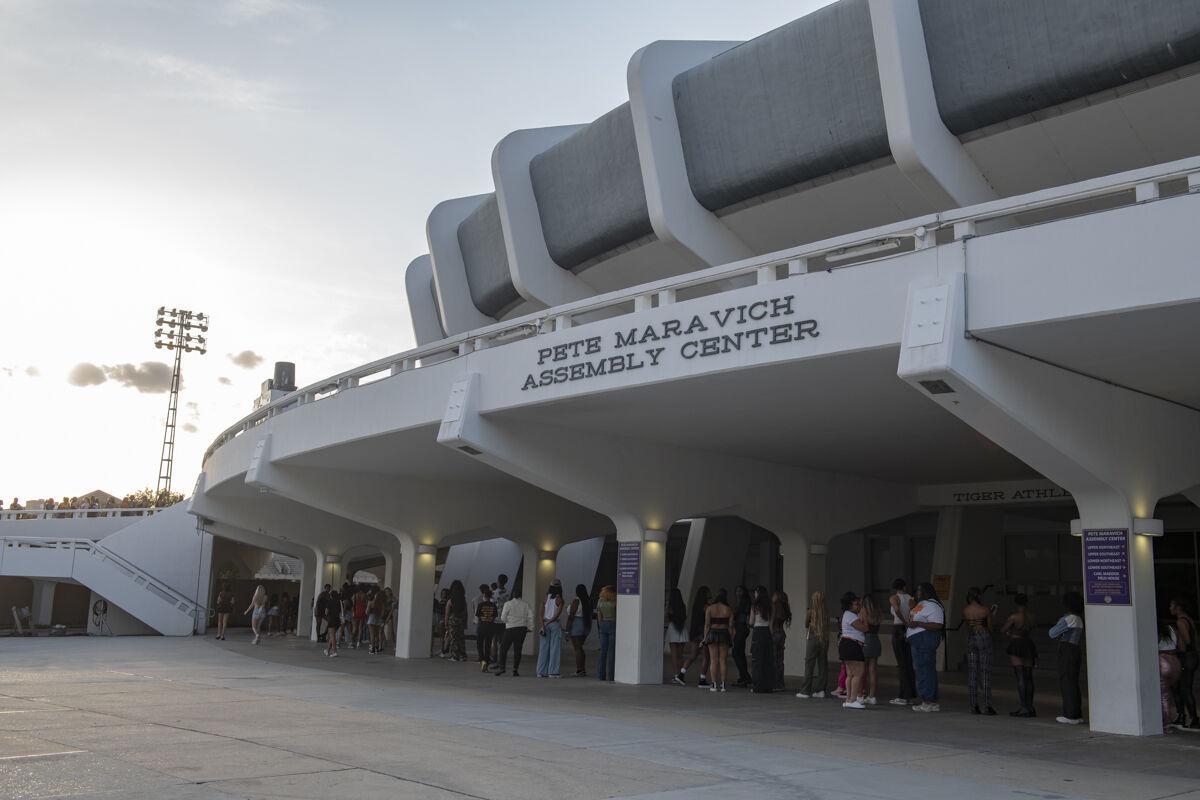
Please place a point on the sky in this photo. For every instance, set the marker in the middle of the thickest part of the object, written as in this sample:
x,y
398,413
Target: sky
x,y
268,162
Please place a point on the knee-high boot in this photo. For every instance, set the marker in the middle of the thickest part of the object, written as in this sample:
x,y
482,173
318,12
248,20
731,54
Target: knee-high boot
x,y
1029,691
1019,672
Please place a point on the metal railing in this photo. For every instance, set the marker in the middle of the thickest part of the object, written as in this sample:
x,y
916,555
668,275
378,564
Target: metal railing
x,y
136,574
876,244
12,515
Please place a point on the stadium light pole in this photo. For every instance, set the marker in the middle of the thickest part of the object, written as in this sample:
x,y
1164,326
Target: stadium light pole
x,y
174,332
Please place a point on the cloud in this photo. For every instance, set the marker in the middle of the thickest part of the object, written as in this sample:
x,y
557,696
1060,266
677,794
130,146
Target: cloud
x,y
189,427
7,371
33,372
224,381
247,359
193,410
286,20
86,374
151,377
196,81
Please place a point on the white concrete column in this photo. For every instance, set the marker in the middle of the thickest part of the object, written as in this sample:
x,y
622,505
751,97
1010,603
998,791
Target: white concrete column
x,y
928,154
414,628
675,214
310,587
536,577
639,657
1117,451
795,552
42,607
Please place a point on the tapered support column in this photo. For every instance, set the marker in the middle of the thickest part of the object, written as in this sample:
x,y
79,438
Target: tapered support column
x,y
794,550
535,582
414,629
639,656
42,607
310,582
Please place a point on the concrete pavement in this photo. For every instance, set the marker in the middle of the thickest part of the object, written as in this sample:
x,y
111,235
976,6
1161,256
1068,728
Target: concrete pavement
x,y
156,717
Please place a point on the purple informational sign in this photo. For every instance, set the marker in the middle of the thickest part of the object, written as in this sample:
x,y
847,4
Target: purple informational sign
x,y
1106,567
629,567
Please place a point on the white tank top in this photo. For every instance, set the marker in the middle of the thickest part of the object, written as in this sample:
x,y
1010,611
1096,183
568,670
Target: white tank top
x,y
905,602
551,608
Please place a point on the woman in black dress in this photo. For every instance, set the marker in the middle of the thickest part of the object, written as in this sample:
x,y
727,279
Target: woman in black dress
x,y
1022,653
717,618
762,657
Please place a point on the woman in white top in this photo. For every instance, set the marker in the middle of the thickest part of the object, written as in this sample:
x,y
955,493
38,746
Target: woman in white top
x,y
1168,671
925,625
901,605
850,648
257,611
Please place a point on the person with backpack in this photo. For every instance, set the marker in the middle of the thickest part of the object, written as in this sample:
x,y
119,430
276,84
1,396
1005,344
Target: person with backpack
x,y
925,624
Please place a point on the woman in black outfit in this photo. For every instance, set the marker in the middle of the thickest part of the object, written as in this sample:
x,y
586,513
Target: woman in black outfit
x,y
762,657
1022,653
1189,660
741,633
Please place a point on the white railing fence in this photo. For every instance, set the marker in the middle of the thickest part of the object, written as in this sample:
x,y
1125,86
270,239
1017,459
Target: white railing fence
x,y
70,513
16,549
877,244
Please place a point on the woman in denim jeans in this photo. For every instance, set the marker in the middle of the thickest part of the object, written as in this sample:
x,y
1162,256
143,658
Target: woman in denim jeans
x,y
606,627
550,646
925,625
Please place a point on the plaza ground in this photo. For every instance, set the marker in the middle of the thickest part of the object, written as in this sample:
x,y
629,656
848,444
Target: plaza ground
x,y
149,717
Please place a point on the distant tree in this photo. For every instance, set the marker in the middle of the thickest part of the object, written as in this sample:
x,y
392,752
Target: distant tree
x,y
144,498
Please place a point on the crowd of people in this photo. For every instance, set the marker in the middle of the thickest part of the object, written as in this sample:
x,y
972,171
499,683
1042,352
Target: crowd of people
x,y
69,504
718,629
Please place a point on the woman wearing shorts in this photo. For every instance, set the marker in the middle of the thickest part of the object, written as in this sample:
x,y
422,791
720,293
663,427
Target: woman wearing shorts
x,y
850,649
257,611
716,632
333,621
224,610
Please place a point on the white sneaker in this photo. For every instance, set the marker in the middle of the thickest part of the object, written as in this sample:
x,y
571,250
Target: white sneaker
x,y
325,652
333,654
818,694
855,704
1069,721
870,701
712,688
921,707
927,708
898,701
803,696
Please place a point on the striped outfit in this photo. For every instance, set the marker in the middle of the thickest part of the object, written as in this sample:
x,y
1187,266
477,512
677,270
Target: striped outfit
x,y
979,666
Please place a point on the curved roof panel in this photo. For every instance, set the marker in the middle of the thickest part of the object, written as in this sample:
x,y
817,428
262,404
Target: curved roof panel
x,y
993,60
796,103
481,239
589,191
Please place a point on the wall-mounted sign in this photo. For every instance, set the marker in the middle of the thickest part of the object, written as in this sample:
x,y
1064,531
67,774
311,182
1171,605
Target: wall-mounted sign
x,y
1106,567
764,323
629,567
990,494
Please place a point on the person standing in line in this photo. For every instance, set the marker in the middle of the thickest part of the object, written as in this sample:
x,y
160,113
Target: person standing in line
x,y
439,610
1022,653
375,613
319,606
224,610
1189,660
696,638
606,629
456,621
517,619
677,635
901,603
273,615
717,618
1168,671
925,625
393,608
359,629
333,622
741,633
978,619
850,649
550,630
257,611
781,620
872,649
816,648
1069,633
285,613
500,595
579,625
485,615
762,660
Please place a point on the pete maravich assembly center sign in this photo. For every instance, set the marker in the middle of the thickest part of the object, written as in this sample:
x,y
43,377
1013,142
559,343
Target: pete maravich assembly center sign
x,y
732,329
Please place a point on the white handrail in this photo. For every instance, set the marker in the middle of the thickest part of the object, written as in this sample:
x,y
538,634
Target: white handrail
x,y
21,515
919,231
180,601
